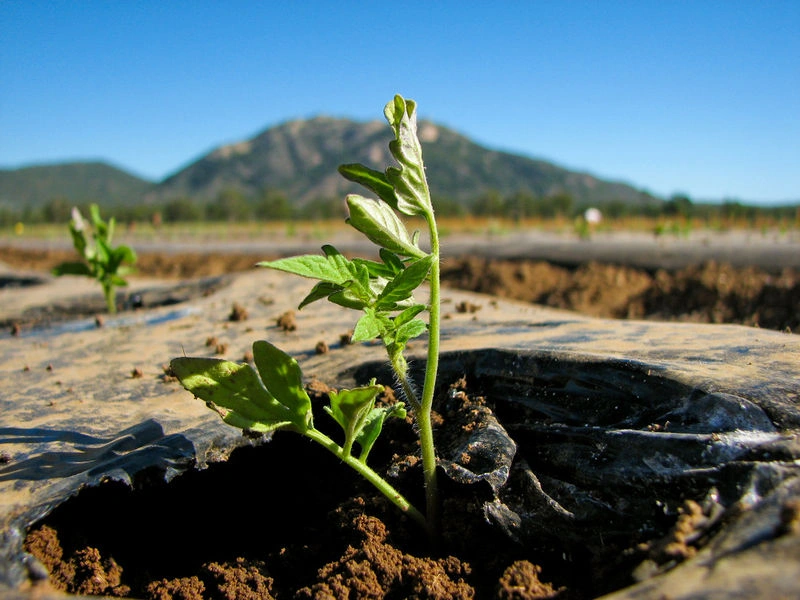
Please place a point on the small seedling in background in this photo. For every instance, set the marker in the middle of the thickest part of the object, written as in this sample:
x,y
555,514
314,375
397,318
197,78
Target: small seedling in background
x,y
101,260
382,291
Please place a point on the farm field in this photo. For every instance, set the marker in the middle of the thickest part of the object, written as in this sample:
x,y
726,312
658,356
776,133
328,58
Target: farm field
x,y
622,270
109,381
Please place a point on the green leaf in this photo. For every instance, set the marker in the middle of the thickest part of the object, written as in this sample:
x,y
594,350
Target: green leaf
x,y
283,379
72,268
102,230
408,314
116,280
408,180
103,252
351,408
408,331
124,254
78,239
234,391
373,425
368,327
392,261
348,298
362,278
123,270
312,266
376,269
381,225
321,290
372,180
403,285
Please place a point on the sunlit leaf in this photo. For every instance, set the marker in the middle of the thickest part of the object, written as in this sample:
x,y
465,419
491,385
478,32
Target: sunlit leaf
x,y
351,409
408,179
368,327
408,314
378,221
372,180
312,266
234,390
282,377
321,290
408,331
403,285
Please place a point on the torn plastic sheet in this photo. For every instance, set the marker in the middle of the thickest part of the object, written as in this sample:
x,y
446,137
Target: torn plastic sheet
x,y
581,452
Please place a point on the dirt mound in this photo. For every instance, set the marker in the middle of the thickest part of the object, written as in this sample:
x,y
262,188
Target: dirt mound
x,y
707,293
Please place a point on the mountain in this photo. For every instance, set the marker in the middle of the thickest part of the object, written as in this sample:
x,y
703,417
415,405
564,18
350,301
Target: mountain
x,y
31,187
300,158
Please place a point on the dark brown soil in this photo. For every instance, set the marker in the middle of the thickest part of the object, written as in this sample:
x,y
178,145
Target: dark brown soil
x,y
238,531
707,293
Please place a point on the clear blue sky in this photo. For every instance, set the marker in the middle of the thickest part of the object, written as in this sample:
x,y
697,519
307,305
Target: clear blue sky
x,y
672,96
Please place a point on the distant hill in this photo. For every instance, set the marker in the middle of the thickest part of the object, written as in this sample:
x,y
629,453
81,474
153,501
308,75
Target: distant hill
x,y
300,158
76,182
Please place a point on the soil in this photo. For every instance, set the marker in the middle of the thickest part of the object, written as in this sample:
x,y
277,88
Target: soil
x,y
705,293
217,534
224,532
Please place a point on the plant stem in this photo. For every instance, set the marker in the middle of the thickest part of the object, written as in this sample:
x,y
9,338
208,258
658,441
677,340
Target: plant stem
x,y
431,370
400,368
111,300
367,473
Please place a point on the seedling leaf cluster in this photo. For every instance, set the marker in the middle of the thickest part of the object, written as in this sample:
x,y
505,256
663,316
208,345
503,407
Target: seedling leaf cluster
x,y
101,261
272,397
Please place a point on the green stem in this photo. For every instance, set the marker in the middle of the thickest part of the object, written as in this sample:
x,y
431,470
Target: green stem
x,y
431,370
111,300
400,367
367,473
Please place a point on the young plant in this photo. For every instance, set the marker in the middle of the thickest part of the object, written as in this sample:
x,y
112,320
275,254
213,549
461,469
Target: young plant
x,y
272,397
382,291
101,260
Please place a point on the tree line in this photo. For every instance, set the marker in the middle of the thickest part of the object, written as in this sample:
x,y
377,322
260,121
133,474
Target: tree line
x,y
232,205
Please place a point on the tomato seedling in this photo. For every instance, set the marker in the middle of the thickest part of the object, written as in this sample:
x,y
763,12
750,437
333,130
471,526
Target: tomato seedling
x,y
101,260
271,397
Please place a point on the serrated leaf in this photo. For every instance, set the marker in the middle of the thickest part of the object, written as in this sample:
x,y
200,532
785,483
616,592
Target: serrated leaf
x,y
234,390
378,221
283,379
312,266
372,180
404,283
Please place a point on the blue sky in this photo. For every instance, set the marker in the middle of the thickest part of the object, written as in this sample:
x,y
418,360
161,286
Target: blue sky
x,y
694,97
